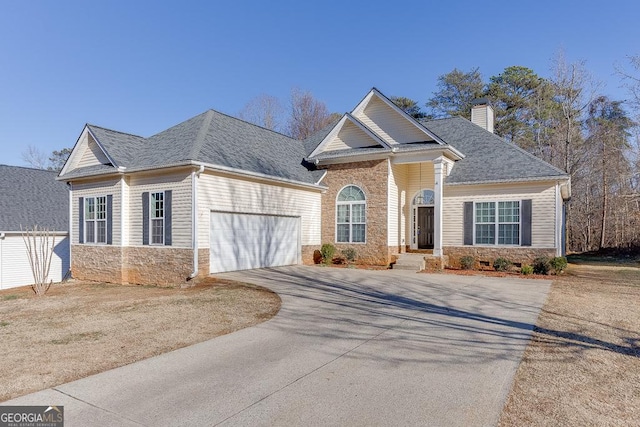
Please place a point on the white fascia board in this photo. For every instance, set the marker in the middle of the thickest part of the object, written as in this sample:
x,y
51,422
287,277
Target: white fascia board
x,y
321,178
74,151
426,154
549,179
329,136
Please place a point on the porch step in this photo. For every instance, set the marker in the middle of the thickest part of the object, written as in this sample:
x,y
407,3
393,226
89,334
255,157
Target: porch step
x,y
413,262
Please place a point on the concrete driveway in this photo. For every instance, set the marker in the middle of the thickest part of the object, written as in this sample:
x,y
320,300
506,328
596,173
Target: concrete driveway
x,y
349,347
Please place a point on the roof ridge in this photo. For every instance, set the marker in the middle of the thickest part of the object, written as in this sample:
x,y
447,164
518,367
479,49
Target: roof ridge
x,y
202,132
29,168
116,131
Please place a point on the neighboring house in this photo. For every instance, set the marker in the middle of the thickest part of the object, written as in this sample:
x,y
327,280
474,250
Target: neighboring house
x,y
215,194
28,198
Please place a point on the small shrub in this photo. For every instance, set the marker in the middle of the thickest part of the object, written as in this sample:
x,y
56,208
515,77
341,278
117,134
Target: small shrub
x,y
339,260
541,265
467,262
526,270
350,254
327,251
317,257
559,264
502,264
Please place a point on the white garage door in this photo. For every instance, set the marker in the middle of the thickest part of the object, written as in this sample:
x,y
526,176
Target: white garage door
x,y
245,241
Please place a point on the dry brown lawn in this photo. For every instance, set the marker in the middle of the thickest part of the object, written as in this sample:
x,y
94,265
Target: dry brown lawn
x,y
582,367
79,329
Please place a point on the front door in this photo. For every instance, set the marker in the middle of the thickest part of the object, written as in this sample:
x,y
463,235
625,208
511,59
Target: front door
x,y
425,228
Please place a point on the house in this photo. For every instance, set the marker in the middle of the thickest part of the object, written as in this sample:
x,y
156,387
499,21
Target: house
x,y
28,198
215,194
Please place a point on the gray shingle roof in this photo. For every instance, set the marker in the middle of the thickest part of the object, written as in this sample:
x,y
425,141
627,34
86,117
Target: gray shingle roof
x,y
32,197
210,137
489,158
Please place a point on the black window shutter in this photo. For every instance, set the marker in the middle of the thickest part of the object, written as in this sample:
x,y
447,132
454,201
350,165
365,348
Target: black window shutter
x,y
468,223
81,220
109,219
167,217
145,218
525,218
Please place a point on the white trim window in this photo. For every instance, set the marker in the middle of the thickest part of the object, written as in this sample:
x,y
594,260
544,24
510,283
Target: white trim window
x,y
95,219
497,223
351,220
156,222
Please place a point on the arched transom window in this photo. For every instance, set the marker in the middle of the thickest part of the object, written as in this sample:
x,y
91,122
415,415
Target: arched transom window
x,y
351,220
424,197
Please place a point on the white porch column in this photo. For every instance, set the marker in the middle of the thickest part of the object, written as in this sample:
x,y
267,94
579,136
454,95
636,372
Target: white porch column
x,y
438,169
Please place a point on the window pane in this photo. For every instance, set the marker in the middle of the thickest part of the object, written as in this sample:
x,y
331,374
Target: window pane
x,y
485,234
358,233
89,232
509,234
485,212
425,197
101,207
343,233
509,212
343,214
89,208
350,193
157,232
101,227
358,213
157,205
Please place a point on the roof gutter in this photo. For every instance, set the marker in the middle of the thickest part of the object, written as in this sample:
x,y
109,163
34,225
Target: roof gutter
x,y
195,175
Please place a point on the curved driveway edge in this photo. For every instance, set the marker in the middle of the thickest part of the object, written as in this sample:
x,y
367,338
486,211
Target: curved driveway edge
x,y
349,347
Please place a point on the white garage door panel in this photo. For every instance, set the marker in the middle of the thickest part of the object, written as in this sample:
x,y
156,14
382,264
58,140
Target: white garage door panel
x,y
244,241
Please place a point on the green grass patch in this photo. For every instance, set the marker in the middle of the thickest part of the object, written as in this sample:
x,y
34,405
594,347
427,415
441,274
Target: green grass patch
x,y
10,297
3,323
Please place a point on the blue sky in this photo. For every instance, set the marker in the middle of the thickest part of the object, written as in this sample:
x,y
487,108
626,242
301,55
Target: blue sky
x,y
141,67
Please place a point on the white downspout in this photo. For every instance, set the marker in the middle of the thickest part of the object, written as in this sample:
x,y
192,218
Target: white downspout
x,y
194,218
2,236
71,225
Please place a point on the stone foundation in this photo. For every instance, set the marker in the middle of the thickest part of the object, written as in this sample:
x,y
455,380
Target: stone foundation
x,y
433,262
484,256
141,265
307,254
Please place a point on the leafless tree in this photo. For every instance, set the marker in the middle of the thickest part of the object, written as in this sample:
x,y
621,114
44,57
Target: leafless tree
x,y
308,115
40,243
264,110
35,158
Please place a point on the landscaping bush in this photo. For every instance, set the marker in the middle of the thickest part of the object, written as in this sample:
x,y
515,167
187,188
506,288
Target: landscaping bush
x,y
541,265
317,257
350,254
467,262
526,270
558,263
327,251
502,264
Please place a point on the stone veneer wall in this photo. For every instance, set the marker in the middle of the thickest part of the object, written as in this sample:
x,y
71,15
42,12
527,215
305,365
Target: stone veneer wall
x,y
143,265
307,253
371,177
522,255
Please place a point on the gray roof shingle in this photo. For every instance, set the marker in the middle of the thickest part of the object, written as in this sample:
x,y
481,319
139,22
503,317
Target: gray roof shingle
x,y
489,158
210,137
32,197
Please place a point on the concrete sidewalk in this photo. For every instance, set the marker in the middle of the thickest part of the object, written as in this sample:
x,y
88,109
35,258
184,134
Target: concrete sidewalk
x,y
349,347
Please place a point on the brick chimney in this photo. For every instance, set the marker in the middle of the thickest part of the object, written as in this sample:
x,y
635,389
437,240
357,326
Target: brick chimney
x,y
482,114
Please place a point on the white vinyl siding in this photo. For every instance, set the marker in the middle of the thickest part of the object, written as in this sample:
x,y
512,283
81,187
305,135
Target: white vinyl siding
x,y
180,184
543,209
350,136
222,192
15,269
397,212
92,154
94,189
397,129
